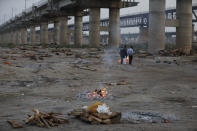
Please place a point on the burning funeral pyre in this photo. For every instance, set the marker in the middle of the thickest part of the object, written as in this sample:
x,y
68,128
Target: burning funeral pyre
x,y
97,113
97,94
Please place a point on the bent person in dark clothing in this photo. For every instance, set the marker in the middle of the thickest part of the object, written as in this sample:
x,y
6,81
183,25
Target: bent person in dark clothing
x,y
123,53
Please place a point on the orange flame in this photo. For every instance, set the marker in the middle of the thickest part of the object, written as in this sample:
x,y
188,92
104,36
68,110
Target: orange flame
x,y
101,93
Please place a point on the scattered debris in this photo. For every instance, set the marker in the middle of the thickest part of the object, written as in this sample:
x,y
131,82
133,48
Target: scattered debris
x,y
91,114
7,63
176,99
121,82
36,56
47,120
175,52
85,68
194,106
89,55
14,124
137,117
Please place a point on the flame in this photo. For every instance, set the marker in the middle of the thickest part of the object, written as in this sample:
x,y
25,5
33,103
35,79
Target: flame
x,y
127,60
98,93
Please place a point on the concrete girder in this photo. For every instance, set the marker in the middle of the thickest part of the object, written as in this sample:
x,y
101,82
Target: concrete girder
x,y
105,4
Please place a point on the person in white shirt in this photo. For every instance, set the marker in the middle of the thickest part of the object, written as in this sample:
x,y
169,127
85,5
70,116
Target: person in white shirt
x,y
130,54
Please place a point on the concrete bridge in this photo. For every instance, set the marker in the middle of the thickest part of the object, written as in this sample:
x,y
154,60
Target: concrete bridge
x,y
139,20
58,12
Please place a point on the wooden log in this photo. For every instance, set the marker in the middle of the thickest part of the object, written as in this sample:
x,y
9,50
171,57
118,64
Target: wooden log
x,y
45,122
62,121
95,118
102,115
116,118
14,124
36,111
29,119
107,121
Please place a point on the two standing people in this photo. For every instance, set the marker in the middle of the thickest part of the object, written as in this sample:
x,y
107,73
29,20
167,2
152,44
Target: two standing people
x,y
124,52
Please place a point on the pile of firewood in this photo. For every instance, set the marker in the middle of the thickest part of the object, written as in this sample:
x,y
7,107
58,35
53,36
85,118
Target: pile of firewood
x,y
47,120
96,118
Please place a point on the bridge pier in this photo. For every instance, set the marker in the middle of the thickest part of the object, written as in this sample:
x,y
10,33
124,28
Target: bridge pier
x,y
193,33
78,36
184,30
9,35
44,33
0,38
61,31
18,36
32,34
114,27
156,26
94,34
24,35
56,32
63,25
6,37
13,37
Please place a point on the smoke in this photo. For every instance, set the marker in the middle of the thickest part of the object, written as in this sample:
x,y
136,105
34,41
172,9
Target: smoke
x,y
109,58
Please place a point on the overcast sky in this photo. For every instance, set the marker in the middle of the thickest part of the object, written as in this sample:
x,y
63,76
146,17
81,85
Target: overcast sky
x,y
9,8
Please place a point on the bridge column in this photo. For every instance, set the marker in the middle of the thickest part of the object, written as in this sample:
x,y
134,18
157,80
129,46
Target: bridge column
x,y
63,25
24,35
184,31
44,33
78,36
32,34
156,26
18,37
9,35
94,33
14,37
193,33
6,37
114,27
60,34
56,32
3,37
0,38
